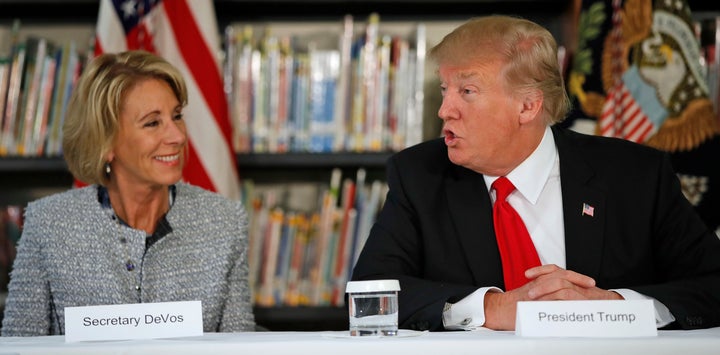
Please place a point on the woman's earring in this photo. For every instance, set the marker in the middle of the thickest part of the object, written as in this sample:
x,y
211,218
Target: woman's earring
x,y
107,168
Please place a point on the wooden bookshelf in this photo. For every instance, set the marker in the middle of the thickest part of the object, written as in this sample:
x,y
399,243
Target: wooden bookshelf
x,y
311,160
306,167
26,173
24,179
12,167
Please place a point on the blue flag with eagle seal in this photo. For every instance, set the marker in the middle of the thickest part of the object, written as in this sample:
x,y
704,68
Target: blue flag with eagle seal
x,y
636,75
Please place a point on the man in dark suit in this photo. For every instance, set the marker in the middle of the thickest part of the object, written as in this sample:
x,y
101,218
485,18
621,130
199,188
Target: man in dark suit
x,y
606,217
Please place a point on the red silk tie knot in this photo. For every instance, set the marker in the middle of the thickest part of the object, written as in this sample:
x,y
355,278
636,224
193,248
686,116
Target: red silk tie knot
x,y
503,187
517,250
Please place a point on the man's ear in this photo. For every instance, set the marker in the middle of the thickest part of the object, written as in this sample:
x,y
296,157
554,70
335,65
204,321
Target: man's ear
x,y
532,104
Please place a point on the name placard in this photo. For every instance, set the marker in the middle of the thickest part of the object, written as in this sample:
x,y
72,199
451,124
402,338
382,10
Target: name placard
x,y
133,321
594,319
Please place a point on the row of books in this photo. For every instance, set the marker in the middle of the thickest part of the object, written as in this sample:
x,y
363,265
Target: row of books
x,y
304,258
36,80
366,94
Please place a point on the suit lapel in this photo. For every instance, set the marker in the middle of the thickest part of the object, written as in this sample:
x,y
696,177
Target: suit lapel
x,y
583,229
471,212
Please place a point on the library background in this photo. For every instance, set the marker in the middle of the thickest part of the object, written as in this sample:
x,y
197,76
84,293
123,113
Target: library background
x,y
311,182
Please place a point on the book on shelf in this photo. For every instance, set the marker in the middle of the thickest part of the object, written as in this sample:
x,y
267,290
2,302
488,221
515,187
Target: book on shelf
x,y
68,70
36,48
284,101
344,240
7,58
284,254
308,270
360,208
35,145
271,243
320,293
14,100
416,97
257,216
379,126
259,222
242,90
324,71
260,101
397,114
279,65
5,65
344,94
301,240
364,87
370,206
299,113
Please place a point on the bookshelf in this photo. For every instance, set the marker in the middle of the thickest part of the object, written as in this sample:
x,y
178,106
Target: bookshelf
x,y
20,177
24,179
308,167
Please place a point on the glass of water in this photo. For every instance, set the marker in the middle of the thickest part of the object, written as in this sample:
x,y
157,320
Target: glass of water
x,y
373,307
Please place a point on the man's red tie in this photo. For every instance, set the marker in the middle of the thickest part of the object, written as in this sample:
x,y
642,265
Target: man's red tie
x,y
517,250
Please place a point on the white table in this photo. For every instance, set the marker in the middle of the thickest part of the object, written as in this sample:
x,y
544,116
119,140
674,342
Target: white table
x,y
696,342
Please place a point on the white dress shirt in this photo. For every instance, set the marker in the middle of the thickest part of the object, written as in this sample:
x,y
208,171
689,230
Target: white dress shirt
x,y
538,200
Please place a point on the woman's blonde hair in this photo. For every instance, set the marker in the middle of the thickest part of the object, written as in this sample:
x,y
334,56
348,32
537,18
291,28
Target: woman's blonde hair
x,y
528,51
92,118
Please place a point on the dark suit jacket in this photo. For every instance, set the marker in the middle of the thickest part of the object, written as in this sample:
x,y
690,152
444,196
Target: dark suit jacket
x,y
435,232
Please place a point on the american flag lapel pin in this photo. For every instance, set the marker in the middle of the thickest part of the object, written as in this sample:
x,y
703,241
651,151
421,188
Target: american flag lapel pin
x,y
588,210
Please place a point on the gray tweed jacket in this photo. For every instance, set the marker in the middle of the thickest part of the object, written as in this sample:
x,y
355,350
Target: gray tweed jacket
x,y
73,253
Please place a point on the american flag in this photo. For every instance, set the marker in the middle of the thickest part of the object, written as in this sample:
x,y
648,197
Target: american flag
x,y
185,33
588,210
623,117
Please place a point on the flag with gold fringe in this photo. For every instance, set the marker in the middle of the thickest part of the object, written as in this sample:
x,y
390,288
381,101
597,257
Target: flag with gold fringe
x,y
636,74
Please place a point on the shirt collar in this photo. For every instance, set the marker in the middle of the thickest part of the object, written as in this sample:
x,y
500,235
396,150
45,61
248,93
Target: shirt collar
x,y
531,175
163,227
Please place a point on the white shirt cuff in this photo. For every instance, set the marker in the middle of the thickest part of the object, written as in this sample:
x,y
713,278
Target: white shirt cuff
x,y
469,312
663,316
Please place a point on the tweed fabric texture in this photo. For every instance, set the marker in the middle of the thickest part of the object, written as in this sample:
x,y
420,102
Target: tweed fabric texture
x,y
73,253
